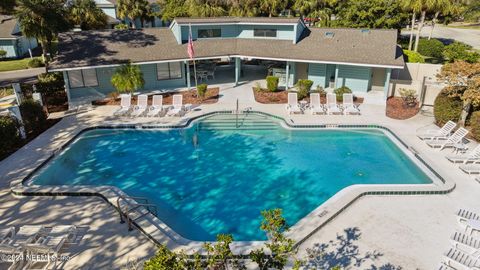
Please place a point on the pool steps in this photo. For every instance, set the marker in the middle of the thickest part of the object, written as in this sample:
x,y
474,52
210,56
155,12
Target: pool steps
x,y
237,122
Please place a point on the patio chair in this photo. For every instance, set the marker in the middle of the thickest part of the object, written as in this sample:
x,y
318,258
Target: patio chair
x,y
292,105
472,156
470,169
465,242
142,105
315,104
332,106
455,138
438,134
125,104
443,266
348,106
211,73
177,106
157,106
7,233
461,260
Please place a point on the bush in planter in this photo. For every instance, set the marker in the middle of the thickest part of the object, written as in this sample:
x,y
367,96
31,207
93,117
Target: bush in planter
x,y
9,134
34,117
35,63
446,108
202,90
340,91
303,86
50,82
431,48
475,125
320,90
409,97
272,83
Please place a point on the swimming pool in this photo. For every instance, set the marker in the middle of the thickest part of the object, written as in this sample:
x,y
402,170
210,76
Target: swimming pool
x,y
216,176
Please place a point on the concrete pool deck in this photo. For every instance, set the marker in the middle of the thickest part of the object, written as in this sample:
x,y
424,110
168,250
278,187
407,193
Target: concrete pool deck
x,y
410,231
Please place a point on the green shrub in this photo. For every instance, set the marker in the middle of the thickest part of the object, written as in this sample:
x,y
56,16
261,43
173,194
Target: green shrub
x,y
272,83
460,51
35,63
413,57
3,53
9,134
303,86
202,90
475,125
320,90
121,26
50,82
409,97
340,91
6,92
34,117
431,48
446,108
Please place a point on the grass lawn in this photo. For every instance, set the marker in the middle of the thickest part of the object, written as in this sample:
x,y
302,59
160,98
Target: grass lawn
x,y
9,65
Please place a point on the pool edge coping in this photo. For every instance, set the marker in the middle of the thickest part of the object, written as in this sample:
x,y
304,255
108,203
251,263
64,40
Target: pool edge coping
x,y
299,232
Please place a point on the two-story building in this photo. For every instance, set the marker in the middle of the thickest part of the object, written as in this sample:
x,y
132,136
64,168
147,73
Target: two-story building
x,y
11,39
360,59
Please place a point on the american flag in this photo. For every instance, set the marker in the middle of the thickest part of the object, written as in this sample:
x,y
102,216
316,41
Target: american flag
x,y
190,51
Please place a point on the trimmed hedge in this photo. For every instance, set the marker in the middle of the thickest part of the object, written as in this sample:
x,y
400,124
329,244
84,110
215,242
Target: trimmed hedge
x,y
304,87
34,117
340,91
446,108
413,57
35,63
475,125
432,48
9,134
272,83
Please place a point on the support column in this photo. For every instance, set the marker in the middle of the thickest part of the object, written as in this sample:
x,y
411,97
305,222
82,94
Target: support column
x,y
189,85
388,74
67,88
287,75
237,70
336,76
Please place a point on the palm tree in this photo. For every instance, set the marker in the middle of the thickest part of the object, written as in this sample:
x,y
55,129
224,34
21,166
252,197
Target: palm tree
x,y
43,20
132,9
444,7
127,78
204,9
272,7
87,15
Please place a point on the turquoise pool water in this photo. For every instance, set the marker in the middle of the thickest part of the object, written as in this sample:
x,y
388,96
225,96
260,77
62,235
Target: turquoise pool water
x,y
213,178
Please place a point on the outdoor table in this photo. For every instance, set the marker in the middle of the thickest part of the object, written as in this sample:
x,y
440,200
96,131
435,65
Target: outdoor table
x,y
460,148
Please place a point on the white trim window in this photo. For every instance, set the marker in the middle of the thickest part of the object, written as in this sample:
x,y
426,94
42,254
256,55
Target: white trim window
x,y
209,33
265,32
82,78
169,71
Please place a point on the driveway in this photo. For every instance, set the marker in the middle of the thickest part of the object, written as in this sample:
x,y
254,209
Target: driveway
x,y
468,36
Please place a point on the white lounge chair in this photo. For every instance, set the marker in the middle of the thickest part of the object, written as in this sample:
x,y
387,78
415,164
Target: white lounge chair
x,y
466,243
142,105
125,104
26,234
348,106
332,106
438,134
177,106
470,169
7,233
292,105
315,104
461,260
157,106
464,215
455,138
445,267
472,156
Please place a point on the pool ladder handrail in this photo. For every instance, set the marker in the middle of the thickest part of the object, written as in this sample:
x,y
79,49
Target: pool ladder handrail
x,y
131,205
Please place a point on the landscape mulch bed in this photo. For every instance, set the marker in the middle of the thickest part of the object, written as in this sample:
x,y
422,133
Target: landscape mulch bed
x,y
281,97
397,109
189,97
56,102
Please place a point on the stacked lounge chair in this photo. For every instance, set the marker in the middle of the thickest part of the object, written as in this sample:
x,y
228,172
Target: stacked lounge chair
x,y
141,107
472,156
455,138
292,105
438,134
462,260
316,106
332,106
348,106
470,168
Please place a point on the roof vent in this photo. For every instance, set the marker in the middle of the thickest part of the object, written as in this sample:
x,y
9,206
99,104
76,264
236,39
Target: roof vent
x,y
329,34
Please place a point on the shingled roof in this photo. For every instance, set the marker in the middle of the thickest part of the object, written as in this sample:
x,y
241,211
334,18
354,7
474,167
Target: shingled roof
x,y
7,26
322,45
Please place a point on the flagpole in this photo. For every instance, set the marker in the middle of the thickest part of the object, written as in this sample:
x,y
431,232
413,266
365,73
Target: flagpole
x,y
193,59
